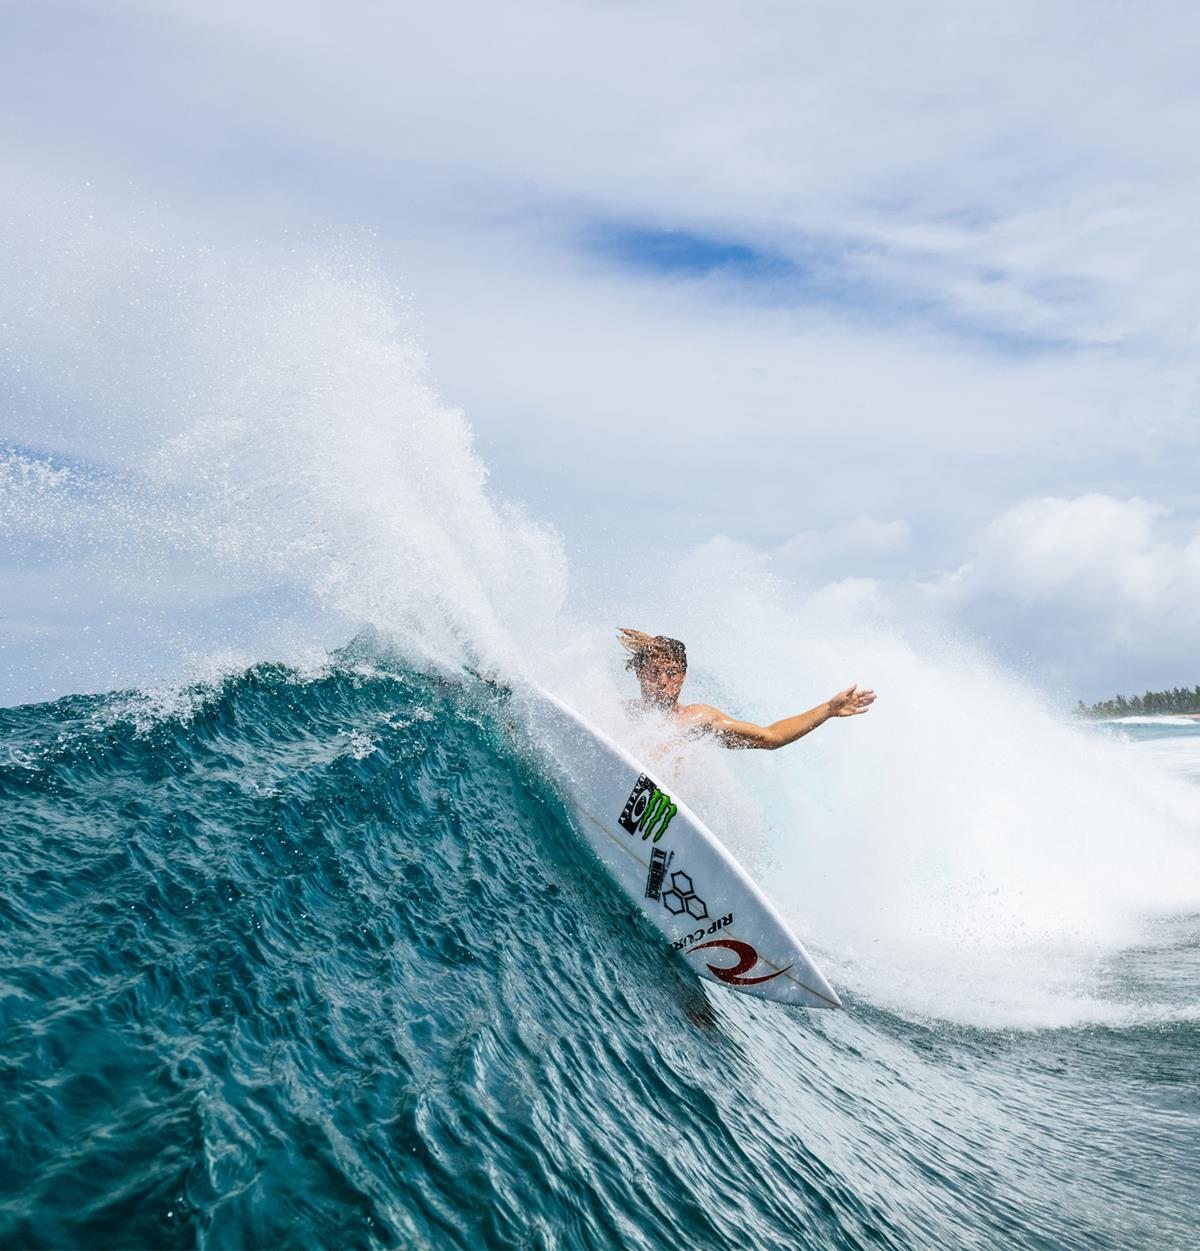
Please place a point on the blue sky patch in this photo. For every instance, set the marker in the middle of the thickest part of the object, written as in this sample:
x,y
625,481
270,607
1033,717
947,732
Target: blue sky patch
x,y
822,273
817,272
682,252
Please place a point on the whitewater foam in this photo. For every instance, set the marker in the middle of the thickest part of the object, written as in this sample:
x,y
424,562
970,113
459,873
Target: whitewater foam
x,y
964,851
282,465
1164,721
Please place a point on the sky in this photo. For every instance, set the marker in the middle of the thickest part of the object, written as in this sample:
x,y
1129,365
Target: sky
x,y
897,303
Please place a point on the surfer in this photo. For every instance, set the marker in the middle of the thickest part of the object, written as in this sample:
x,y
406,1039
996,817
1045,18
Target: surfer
x,y
660,665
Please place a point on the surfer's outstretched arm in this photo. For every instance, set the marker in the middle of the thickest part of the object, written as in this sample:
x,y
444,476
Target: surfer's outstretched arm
x,y
734,733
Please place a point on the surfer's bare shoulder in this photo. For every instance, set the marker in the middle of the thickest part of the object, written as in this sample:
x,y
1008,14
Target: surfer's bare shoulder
x,y
698,715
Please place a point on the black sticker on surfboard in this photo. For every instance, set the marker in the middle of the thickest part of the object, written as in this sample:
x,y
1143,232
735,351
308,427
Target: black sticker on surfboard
x,y
648,810
659,863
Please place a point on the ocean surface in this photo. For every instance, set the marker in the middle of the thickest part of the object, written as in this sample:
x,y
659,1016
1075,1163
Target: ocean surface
x,y
316,960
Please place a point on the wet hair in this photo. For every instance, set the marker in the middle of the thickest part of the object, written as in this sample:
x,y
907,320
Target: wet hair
x,y
646,649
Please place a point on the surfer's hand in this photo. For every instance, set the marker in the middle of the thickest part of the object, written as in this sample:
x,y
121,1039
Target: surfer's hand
x,y
850,702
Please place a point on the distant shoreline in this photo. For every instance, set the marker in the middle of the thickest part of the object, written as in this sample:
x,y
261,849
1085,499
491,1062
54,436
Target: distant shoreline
x,y
1181,701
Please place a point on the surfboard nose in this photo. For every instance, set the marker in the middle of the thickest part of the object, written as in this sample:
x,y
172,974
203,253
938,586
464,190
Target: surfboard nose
x,y
812,997
812,989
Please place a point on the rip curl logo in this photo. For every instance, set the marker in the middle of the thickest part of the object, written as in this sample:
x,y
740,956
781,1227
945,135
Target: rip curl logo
x,y
648,811
735,975
696,935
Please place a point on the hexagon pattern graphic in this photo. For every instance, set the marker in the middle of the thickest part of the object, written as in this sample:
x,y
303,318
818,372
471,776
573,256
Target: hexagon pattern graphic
x,y
683,898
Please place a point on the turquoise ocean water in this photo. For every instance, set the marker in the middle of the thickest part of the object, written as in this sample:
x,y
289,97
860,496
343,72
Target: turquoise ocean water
x,y
318,961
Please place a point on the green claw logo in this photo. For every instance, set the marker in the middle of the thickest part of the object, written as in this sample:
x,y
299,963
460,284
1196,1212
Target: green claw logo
x,y
648,810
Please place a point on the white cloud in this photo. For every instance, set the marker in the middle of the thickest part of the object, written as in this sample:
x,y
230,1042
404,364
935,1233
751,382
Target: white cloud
x,y
1018,164
861,537
1093,550
1091,594
1098,590
841,551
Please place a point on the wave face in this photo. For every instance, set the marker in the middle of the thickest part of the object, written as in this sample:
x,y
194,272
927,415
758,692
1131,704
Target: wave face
x,y
317,960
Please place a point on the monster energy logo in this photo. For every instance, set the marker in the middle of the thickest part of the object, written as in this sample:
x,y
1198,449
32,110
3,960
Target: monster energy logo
x,y
648,810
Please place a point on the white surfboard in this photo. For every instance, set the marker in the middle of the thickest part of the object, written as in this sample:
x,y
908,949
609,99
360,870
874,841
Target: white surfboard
x,y
672,866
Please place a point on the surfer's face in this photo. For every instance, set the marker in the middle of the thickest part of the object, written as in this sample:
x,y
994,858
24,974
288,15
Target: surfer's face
x,y
662,681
